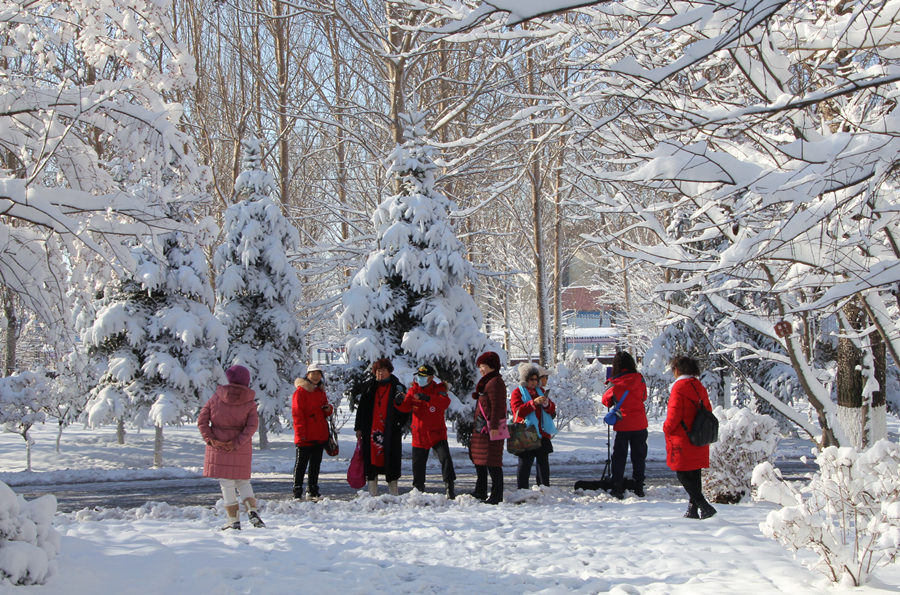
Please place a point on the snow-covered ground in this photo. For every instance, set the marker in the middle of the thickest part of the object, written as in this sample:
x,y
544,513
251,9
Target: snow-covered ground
x,y
548,541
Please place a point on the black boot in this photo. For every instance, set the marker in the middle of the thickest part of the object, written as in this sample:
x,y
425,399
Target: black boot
x,y
639,489
298,492
313,492
691,512
420,487
706,510
451,491
617,491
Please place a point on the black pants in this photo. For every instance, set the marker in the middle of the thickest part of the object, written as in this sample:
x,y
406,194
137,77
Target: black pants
x,y
637,441
312,456
527,459
481,475
420,457
693,485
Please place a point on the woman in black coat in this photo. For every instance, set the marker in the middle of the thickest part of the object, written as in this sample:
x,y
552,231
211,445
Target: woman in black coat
x,y
379,425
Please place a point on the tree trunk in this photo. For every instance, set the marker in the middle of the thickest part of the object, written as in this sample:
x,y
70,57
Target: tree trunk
x,y
120,431
59,431
28,443
849,379
263,434
12,331
158,447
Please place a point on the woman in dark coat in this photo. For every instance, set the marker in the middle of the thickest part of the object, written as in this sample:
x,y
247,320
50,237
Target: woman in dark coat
x,y
631,429
379,425
487,454
683,457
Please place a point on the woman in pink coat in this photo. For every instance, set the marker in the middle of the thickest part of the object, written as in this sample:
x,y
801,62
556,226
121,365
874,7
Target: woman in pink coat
x,y
227,423
683,457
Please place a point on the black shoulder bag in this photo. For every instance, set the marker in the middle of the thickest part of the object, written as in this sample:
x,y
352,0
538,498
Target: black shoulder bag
x,y
706,425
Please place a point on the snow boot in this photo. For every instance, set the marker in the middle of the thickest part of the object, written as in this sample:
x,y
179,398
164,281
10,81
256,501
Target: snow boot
x,y
298,493
691,512
313,493
639,489
420,487
232,510
393,488
617,491
252,514
451,492
373,487
707,510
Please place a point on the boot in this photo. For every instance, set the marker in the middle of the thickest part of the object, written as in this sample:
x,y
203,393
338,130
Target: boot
x,y
617,491
479,496
232,511
313,492
252,513
373,487
298,492
496,494
451,492
691,512
707,510
639,489
393,488
420,487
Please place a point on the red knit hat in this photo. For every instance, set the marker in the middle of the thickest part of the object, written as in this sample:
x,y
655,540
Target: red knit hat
x,y
489,358
238,375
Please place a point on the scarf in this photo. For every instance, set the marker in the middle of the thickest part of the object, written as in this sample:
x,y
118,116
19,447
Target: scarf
x,y
379,416
482,383
546,425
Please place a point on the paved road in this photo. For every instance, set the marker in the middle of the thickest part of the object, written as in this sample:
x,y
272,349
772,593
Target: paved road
x,y
203,491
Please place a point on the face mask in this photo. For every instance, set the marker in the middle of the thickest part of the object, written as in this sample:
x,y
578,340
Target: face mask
x,y
422,380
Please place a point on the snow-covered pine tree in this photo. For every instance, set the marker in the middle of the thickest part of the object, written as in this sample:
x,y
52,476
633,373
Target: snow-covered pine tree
x,y
158,342
257,290
409,301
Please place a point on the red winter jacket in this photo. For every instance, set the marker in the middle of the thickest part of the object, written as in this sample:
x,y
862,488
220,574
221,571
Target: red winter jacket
x,y
681,455
230,416
634,413
310,409
522,410
428,425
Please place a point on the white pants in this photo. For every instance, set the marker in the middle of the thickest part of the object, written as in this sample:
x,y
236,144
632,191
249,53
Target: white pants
x,y
230,486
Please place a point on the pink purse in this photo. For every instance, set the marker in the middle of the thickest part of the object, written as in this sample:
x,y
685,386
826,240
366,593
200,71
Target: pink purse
x,y
502,432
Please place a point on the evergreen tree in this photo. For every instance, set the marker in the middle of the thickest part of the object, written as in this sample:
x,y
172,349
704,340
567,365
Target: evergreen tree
x,y
156,341
257,290
408,301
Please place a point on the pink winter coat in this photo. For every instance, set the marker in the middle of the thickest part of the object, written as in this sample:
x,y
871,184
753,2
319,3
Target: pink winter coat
x,y
681,455
229,415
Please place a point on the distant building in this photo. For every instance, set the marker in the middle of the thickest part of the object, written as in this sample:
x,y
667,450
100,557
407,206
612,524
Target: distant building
x,y
588,323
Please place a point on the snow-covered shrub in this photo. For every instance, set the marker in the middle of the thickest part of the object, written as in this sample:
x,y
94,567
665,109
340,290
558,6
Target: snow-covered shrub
x,y
28,542
848,514
576,388
21,398
746,439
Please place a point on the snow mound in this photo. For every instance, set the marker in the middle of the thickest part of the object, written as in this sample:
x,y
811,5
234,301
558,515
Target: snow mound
x,y
28,542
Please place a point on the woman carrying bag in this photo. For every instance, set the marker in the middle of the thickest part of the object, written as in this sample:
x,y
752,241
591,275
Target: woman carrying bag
x,y
631,429
531,406
310,409
485,448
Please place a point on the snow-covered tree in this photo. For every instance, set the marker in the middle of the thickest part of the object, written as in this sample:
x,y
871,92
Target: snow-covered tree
x,y
746,439
21,398
257,291
409,300
157,342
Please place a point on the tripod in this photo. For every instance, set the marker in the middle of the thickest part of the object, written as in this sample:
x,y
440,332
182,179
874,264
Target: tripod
x,y
605,482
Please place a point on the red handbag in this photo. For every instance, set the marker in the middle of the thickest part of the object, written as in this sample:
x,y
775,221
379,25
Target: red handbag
x,y
356,473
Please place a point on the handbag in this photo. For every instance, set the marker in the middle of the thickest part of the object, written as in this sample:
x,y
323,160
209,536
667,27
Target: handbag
x,y
502,432
615,414
522,438
332,448
356,472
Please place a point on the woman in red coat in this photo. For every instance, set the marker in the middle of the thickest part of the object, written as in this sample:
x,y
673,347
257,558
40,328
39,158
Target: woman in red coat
x,y
485,448
311,410
428,401
631,429
532,406
683,457
227,423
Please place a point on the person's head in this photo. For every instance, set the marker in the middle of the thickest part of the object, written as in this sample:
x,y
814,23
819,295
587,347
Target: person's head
x,y
424,375
683,365
543,376
488,362
382,369
314,373
623,363
238,375
529,374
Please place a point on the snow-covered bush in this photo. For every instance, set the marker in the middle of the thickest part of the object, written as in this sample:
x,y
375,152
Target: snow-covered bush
x,y
848,514
746,439
21,398
576,388
28,542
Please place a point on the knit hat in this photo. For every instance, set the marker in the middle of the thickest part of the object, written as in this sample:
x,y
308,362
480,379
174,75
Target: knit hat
x,y
314,368
489,358
527,369
542,371
238,375
425,370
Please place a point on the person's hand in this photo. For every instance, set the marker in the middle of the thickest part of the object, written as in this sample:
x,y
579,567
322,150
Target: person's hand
x,y
359,434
